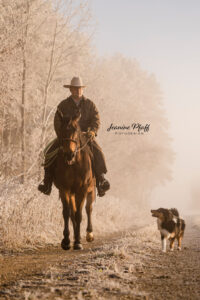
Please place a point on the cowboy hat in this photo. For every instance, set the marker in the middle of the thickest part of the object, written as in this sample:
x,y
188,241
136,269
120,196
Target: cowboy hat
x,y
75,82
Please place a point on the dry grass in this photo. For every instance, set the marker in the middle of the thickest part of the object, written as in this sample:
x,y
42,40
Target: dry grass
x,y
30,219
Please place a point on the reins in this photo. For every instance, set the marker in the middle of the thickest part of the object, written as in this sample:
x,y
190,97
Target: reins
x,y
80,148
51,156
77,148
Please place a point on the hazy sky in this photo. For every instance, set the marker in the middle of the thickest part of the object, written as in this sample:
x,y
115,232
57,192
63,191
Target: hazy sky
x,y
164,36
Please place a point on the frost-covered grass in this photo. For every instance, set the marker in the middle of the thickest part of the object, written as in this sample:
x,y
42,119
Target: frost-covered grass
x,y
196,221
30,219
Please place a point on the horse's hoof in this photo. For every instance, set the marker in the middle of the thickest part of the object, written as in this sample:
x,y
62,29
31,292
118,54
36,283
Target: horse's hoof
x,y
64,245
78,247
89,237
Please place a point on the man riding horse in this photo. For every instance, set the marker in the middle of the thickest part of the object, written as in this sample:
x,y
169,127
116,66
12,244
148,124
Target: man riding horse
x,y
89,122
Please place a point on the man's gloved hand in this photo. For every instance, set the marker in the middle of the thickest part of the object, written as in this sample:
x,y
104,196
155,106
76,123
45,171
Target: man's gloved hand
x,y
90,134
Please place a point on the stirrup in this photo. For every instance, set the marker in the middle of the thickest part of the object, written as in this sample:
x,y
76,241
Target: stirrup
x,y
103,187
100,193
45,189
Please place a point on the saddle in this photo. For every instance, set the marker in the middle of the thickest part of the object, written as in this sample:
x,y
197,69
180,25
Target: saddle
x,y
50,154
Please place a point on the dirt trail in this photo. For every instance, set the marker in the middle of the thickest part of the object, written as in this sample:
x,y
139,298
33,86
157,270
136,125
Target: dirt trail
x,y
125,266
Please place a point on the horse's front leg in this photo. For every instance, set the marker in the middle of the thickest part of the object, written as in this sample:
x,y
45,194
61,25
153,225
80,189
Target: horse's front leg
x,y
65,244
73,211
80,197
90,200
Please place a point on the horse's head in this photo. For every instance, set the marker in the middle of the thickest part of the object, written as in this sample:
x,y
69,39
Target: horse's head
x,y
69,138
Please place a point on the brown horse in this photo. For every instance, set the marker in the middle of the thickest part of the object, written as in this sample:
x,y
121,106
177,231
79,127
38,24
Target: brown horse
x,y
74,178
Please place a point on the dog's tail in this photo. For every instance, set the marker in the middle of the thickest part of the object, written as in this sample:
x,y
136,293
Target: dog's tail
x,y
175,212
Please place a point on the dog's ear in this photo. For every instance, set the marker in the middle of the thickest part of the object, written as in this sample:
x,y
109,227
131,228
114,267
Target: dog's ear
x,y
166,213
175,212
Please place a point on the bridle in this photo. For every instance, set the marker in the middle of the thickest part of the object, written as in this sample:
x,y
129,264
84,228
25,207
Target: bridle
x,y
78,149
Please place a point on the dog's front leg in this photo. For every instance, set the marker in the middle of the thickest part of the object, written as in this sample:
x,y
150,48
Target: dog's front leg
x,y
164,243
172,244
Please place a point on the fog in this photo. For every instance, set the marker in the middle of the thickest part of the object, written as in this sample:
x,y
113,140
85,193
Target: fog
x,y
164,38
182,107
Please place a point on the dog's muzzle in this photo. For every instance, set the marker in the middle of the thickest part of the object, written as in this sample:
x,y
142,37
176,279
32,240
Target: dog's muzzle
x,y
153,212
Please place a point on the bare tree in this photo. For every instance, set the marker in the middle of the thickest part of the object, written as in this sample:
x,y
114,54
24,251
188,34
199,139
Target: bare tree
x,y
39,42
24,75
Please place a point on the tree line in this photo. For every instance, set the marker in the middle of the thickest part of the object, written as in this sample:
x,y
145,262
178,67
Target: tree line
x,y
43,44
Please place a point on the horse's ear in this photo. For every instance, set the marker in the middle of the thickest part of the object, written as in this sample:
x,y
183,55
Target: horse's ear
x,y
76,116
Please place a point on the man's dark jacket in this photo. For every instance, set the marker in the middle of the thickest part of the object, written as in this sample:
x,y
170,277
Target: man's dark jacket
x,y
89,114
89,120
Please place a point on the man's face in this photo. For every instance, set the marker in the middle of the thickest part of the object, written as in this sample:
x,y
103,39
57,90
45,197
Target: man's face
x,y
77,92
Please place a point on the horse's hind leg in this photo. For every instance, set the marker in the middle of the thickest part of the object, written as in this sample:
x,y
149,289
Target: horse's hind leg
x,y
90,199
65,244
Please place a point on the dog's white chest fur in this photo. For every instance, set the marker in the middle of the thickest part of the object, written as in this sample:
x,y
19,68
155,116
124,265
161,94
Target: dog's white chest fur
x,y
165,233
162,230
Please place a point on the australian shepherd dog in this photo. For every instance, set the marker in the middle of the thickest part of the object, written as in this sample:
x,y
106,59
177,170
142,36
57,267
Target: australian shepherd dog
x,y
170,225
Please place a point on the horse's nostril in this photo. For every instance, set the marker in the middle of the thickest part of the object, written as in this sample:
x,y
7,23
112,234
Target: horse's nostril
x,y
69,156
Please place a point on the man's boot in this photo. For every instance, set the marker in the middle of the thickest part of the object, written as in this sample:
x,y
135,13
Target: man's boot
x,y
103,185
45,188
